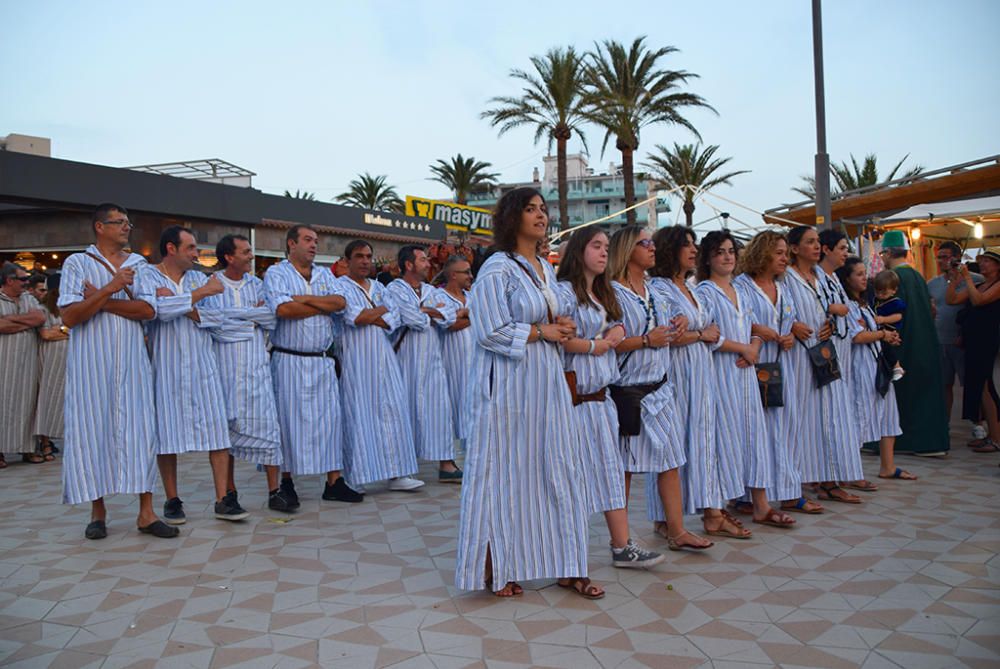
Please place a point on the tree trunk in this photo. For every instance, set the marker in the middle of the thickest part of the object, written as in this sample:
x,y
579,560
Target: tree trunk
x,y
689,212
563,182
627,152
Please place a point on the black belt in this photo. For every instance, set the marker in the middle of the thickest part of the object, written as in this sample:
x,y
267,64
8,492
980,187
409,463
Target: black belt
x,y
304,354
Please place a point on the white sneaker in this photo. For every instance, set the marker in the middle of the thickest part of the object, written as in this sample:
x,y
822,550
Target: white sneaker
x,y
978,432
405,483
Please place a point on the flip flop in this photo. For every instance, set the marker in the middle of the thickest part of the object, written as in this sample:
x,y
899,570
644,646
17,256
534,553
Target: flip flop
x,y
800,507
898,474
826,494
863,485
988,446
588,591
160,529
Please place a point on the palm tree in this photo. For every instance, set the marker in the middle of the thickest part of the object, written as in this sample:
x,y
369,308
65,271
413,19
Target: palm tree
x,y
689,165
463,176
851,177
552,102
372,192
303,195
626,91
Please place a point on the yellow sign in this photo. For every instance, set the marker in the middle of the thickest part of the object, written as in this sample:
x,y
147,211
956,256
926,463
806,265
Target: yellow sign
x,y
457,217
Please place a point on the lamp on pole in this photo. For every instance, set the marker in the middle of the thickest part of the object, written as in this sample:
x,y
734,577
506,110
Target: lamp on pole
x,y
822,157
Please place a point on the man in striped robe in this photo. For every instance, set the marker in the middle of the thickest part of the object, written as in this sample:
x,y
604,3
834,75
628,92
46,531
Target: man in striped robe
x,y
20,317
109,412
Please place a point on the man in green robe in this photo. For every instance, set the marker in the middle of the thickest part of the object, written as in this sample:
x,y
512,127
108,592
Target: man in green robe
x,y
918,394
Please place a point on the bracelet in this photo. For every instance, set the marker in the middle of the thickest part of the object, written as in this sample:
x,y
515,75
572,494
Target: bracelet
x,y
538,331
645,341
592,345
699,335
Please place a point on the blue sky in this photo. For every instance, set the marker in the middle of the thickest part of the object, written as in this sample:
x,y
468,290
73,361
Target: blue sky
x,y
309,94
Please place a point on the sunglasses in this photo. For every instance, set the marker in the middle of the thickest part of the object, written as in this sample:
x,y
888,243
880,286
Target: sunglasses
x,y
645,243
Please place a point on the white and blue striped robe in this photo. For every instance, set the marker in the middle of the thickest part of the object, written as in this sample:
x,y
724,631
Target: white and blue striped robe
x,y
456,352
245,369
825,441
306,389
739,414
190,404
658,446
522,495
422,367
786,484
110,438
379,436
845,330
713,474
877,416
601,459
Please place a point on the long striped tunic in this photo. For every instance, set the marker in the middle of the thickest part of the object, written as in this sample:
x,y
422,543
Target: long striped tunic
x,y
190,404
659,446
49,420
110,443
456,352
306,389
740,421
844,332
19,372
877,416
598,421
713,474
245,369
422,367
522,496
826,445
376,415
787,484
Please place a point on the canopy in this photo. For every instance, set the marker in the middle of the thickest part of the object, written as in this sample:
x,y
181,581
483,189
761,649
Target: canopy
x,y
982,206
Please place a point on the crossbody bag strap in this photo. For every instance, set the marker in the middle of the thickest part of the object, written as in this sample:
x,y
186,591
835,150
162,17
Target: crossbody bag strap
x,y
645,329
106,265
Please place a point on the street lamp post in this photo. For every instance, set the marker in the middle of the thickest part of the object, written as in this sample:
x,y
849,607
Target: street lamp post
x,y
822,157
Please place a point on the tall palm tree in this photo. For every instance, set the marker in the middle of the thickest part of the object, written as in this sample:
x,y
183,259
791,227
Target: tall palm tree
x,y
463,176
372,192
851,177
303,195
688,164
627,90
552,102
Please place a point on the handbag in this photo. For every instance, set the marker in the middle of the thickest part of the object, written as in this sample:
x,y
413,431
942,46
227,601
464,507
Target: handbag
x,y
824,363
770,379
883,374
628,402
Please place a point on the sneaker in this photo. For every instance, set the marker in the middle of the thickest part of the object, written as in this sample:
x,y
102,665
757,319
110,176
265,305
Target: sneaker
x,y
173,511
633,556
978,431
449,477
341,492
229,508
287,488
405,483
278,500
897,373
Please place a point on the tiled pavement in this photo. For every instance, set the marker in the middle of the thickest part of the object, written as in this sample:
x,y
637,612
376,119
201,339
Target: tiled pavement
x,y
909,579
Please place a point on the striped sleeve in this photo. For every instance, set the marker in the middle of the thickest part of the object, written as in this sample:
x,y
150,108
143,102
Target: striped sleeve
x,y
492,323
71,283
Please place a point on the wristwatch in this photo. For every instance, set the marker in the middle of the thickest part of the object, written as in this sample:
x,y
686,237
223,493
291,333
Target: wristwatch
x,y
645,341
64,329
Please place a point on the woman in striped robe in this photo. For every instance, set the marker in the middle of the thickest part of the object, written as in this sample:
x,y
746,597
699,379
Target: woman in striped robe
x,y
49,421
826,446
740,421
591,366
878,415
523,512
713,474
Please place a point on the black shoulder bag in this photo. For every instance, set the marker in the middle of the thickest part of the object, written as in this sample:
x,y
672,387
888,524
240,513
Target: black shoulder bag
x,y
883,368
823,356
770,378
628,399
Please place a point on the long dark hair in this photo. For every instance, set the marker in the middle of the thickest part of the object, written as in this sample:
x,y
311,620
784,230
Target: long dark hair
x,y
829,239
669,242
710,244
795,238
571,269
844,274
507,216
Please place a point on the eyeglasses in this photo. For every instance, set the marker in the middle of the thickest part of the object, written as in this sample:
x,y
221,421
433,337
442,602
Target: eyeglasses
x,y
645,243
124,222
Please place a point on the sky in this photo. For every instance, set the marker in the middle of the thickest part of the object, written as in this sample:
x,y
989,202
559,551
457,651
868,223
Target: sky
x,y
309,94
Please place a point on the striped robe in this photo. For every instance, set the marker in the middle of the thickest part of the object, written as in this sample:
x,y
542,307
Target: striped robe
x,y
110,417
845,330
826,442
19,372
190,404
456,352
306,389
49,420
658,447
422,367
787,483
601,460
245,369
522,495
877,416
376,417
740,420
713,474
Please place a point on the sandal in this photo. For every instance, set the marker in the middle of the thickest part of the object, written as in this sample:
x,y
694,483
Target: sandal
x,y
674,543
862,485
802,506
510,589
776,519
48,451
723,531
32,458
3,462
582,586
988,446
901,474
827,493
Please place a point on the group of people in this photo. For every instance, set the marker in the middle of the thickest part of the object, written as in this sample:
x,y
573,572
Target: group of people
x,y
739,379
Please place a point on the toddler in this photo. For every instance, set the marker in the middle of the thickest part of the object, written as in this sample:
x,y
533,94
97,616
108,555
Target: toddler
x,y
890,311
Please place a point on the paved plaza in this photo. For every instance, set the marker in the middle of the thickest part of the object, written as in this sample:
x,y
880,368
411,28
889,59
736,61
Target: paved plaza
x,y
909,579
